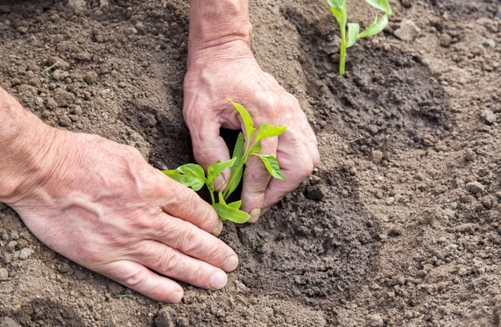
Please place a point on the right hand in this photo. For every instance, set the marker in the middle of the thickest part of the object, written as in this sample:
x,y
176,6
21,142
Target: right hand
x,y
101,205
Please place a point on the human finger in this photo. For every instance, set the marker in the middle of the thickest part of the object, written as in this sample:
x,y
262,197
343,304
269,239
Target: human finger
x,y
142,280
175,264
194,242
184,203
208,145
255,181
297,160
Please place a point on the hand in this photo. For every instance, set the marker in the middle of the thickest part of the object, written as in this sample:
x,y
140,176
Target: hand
x,y
230,71
101,205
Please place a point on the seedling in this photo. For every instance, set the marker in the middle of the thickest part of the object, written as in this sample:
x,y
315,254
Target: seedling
x,y
248,144
47,70
338,9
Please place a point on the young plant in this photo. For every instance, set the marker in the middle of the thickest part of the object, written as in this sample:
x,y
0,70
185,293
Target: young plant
x,y
338,9
193,175
47,70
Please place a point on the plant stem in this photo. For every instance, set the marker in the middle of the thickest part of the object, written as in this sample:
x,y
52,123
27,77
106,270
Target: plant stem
x,y
212,197
342,55
211,191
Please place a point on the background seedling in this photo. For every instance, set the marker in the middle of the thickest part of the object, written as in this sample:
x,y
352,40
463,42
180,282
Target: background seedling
x,y
338,9
248,144
47,70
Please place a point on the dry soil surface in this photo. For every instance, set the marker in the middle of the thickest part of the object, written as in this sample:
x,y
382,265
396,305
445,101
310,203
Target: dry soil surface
x,y
398,225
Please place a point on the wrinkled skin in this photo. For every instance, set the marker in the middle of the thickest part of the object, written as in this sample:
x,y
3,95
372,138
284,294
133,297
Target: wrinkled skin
x,y
101,205
215,74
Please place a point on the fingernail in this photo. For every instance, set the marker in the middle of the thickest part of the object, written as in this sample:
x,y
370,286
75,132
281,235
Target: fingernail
x,y
219,183
176,296
254,215
218,228
231,263
218,280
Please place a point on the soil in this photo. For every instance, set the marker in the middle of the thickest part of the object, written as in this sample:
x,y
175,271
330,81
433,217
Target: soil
x,y
398,225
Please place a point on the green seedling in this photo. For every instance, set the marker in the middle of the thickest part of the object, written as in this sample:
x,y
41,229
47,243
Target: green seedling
x,y
47,70
350,32
248,144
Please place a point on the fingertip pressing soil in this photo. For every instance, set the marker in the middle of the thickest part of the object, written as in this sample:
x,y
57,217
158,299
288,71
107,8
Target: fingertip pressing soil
x,y
398,225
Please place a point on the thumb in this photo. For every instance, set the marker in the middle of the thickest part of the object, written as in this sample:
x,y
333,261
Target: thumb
x,y
256,180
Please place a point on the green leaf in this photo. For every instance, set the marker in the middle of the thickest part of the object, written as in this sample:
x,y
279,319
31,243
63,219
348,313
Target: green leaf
x,y
338,9
337,4
271,164
221,198
230,188
381,5
266,131
340,17
193,170
236,204
190,175
225,212
238,151
353,29
375,28
248,123
256,148
214,170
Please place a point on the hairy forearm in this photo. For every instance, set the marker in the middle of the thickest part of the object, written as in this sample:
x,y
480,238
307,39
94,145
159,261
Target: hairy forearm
x,y
24,140
219,24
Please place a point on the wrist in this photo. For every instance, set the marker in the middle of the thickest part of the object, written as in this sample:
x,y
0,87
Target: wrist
x,y
219,29
25,147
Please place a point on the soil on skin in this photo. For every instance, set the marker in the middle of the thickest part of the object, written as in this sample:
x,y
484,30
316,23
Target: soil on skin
x,y
398,225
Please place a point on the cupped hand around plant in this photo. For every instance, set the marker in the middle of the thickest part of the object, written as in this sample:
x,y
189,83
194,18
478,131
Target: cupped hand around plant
x,y
230,71
101,205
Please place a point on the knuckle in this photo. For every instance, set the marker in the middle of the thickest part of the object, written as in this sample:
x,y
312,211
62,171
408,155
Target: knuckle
x,y
135,278
306,169
169,261
140,222
90,253
184,239
186,197
315,158
92,257
196,243
293,101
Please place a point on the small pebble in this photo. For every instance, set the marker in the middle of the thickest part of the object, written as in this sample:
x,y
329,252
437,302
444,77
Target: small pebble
x,y
64,98
474,187
469,155
316,192
64,121
467,199
489,117
376,156
445,40
375,320
4,274
25,253
64,268
90,77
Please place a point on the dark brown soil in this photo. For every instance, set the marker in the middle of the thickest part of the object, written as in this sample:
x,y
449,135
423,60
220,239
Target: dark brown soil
x,y
399,224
